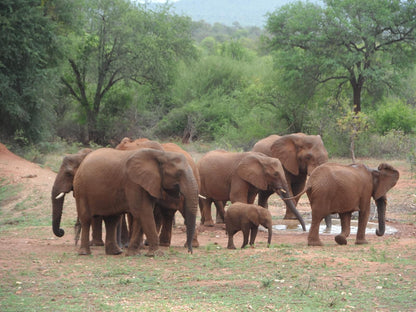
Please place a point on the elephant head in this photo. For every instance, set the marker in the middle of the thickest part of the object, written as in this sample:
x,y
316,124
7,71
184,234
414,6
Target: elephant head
x,y
161,173
267,174
299,153
64,184
129,144
384,178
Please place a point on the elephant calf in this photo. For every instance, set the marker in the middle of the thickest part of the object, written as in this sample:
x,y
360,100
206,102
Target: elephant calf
x,y
246,217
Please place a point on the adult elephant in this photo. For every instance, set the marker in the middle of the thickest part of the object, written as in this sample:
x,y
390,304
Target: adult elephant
x,y
299,154
342,189
239,177
110,182
167,206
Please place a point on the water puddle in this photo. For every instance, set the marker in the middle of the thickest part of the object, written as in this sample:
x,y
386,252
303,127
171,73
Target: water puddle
x,y
294,226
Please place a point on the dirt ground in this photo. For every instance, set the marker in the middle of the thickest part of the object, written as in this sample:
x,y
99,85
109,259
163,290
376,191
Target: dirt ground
x,y
37,183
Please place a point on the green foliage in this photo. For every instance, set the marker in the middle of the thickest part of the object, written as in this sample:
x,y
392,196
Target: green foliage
x,y
32,37
124,42
362,44
392,145
395,114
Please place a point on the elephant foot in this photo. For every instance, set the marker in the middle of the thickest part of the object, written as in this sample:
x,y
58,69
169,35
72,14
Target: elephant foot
x,y
362,241
314,242
219,220
132,252
164,244
195,243
208,223
113,250
84,251
341,240
96,242
155,253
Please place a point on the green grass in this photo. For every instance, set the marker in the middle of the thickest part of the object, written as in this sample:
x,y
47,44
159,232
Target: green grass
x,y
288,276
304,280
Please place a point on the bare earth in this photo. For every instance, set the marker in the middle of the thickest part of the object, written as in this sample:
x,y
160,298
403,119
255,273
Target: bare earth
x,y
37,184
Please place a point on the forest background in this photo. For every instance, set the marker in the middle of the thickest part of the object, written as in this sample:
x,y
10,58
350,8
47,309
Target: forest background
x,y
91,72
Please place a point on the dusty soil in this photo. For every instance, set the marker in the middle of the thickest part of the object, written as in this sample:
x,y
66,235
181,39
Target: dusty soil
x,y
37,184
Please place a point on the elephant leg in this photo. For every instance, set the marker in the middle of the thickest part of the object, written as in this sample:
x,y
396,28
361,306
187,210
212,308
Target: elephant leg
x,y
136,237
246,233
206,217
166,227
124,231
263,198
345,218
362,224
253,234
220,211
85,219
111,225
97,231
313,236
231,240
328,222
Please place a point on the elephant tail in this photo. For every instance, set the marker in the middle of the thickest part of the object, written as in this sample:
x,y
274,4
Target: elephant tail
x,y
297,195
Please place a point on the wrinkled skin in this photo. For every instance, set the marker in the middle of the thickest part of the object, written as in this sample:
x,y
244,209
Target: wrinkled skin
x,y
239,177
111,182
335,188
299,154
166,207
247,218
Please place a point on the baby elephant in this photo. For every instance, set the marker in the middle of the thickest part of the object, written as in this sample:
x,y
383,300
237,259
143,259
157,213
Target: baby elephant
x,y
246,217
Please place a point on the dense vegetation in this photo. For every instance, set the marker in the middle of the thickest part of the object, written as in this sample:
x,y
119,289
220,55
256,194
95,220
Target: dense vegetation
x,y
96,71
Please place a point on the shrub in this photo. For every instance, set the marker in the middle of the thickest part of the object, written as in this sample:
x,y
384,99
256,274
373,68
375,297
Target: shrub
x,y
395,114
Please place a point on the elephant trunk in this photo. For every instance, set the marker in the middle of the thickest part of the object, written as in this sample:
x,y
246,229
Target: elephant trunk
x,y
269,237
57,204
381,204
284,194
190,193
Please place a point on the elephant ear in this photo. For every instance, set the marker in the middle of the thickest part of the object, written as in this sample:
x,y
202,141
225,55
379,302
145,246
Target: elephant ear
x,y
285,150
385,178
143,169
250,169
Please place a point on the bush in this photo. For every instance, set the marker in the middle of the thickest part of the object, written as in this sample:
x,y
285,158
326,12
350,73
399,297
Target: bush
x,y
395,114
393,145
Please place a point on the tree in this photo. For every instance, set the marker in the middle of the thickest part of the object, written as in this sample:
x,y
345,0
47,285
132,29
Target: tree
x,y
121,41
360,43
32,34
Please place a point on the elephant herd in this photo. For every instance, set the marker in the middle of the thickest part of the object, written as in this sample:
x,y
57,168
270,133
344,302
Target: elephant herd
x,y
147,182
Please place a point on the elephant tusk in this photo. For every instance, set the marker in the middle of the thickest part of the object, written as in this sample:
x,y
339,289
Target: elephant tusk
x,y
62,194
283,191
203,197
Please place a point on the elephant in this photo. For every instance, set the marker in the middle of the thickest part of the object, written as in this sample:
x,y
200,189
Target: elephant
x,y
247,218
342,189
63,184
110,182
165,208
299,154
238,177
